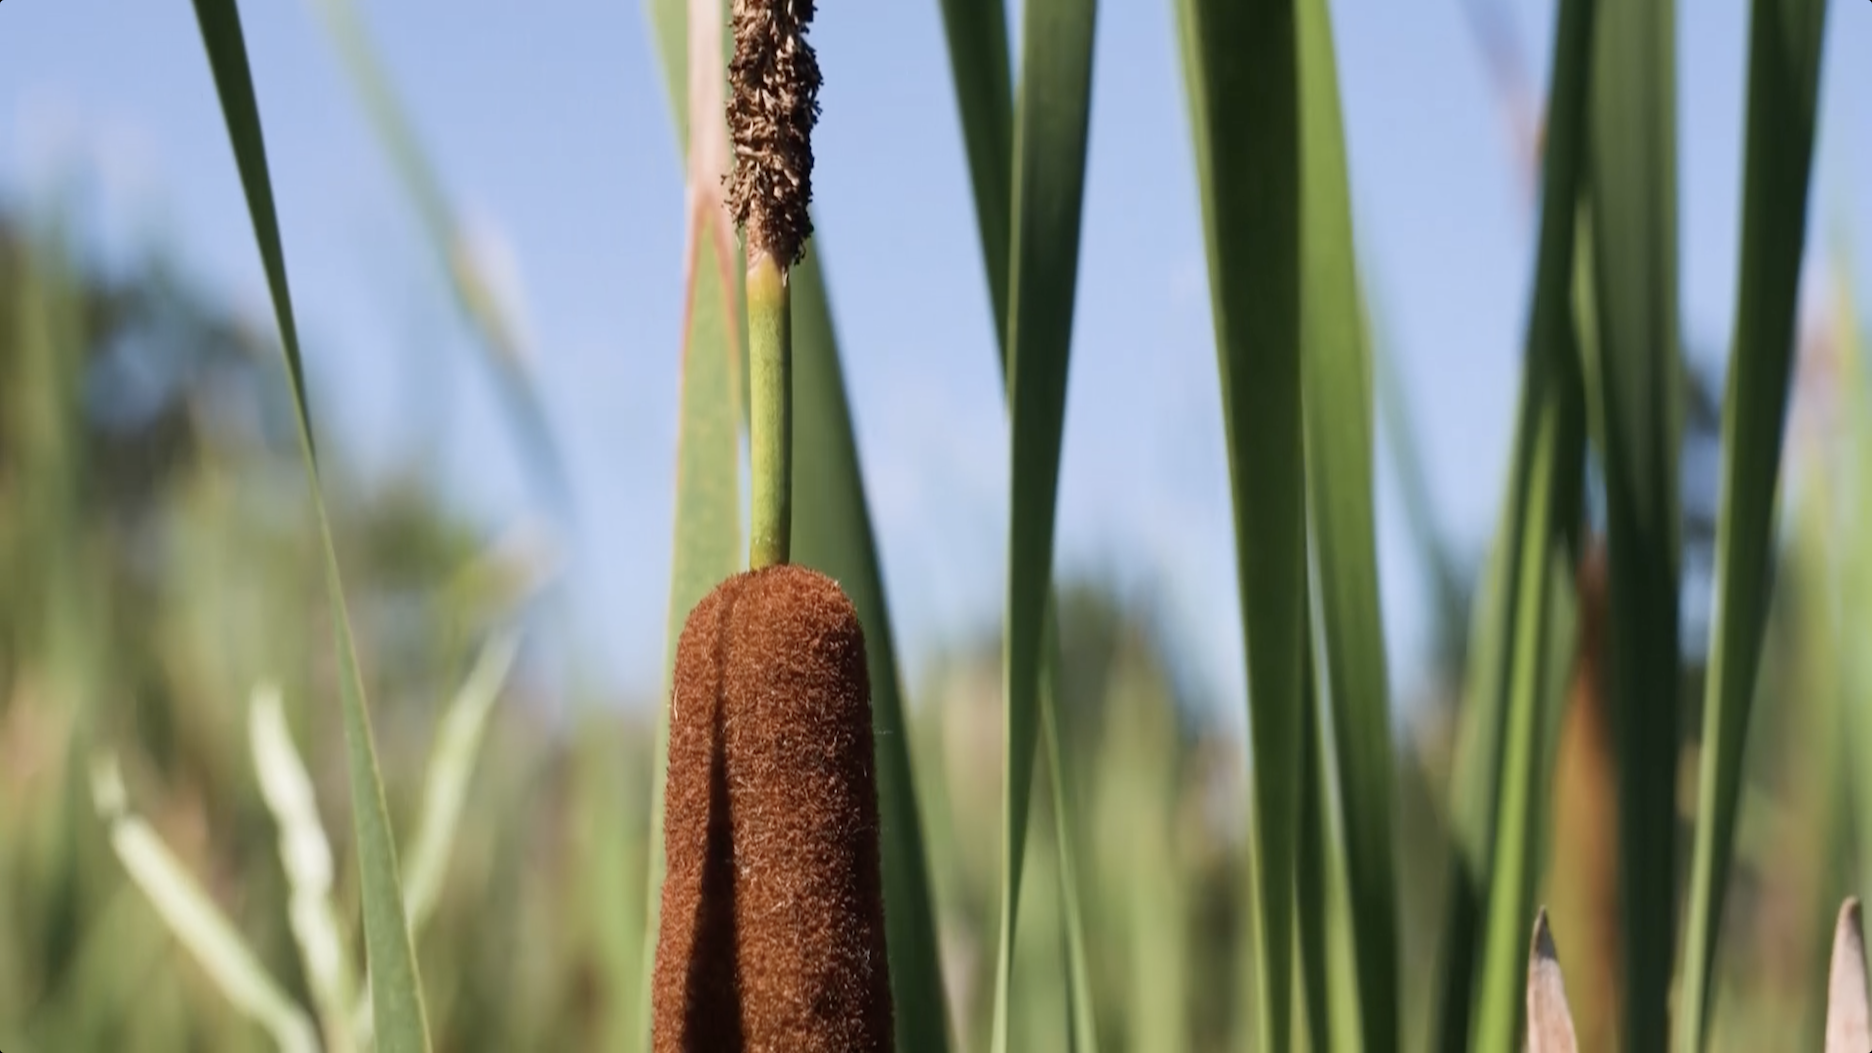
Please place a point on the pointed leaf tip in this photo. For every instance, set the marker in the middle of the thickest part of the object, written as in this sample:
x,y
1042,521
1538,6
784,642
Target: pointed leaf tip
x,y
1849,1020
1550,1022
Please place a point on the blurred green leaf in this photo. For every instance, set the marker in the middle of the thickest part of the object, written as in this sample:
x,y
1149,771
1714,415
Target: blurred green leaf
x,y
306,856
1853,554
1633,382
445,783
1049,188
401,1023
1337,385
451,761
832,533
1474,787
1783,82
1242,71
474,296
195,919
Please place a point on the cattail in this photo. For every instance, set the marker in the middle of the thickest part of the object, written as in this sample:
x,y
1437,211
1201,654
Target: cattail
x,y
772,931
771,935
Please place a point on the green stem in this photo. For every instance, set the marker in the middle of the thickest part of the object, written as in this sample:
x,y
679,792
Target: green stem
x,y
770,424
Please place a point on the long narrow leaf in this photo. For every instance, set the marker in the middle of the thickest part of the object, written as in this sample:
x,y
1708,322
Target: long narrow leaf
x,y
1783,82
1049,188
1084,1029
1474,788
1242,69
401,1022
976,31
1544,491
832,533
1634,382
1336,377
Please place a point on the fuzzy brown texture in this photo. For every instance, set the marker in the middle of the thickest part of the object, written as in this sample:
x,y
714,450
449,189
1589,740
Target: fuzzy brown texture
x,y
772,924
773,103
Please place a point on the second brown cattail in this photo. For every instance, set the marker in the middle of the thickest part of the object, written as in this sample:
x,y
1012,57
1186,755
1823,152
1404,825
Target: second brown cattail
x,y
772,921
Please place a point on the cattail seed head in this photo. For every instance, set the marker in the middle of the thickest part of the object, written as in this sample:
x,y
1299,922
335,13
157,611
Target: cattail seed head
x,y
772,925
772,106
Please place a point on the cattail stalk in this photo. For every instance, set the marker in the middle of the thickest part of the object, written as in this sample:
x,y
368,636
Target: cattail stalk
x,y
773,105
772,925
770,423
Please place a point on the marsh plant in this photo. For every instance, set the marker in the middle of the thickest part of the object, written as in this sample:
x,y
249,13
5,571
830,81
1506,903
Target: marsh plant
x,y
790,856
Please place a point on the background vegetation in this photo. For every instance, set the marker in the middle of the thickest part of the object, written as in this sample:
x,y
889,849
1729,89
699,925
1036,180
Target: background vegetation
x,y
1344,882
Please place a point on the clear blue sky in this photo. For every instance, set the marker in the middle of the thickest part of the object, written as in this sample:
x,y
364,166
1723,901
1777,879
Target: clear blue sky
x,y
550,126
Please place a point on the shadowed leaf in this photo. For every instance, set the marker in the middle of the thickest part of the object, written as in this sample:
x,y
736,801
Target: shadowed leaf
x,y
1242,75
1631,361
1783,81
1337,378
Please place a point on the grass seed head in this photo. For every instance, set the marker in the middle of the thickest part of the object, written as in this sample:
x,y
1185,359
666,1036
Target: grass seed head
x,y
772,106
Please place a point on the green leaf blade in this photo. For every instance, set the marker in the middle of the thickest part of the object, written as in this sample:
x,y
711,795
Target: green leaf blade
x,y
1049,189
1336,378
1630,348
1544,494
976,32
1783,83
1242,68
401,1020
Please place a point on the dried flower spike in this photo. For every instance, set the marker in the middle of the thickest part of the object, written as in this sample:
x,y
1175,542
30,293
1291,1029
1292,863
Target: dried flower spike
x,y
772,106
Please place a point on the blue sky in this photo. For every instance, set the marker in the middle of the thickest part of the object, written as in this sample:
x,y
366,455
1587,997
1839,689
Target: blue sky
x,y
550,126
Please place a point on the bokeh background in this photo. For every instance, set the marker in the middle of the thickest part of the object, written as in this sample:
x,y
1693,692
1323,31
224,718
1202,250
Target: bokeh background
x,y
156,557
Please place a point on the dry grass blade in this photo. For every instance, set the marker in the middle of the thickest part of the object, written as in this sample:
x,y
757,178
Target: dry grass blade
x,y
306,856
1849,1018
196,920
1550,1022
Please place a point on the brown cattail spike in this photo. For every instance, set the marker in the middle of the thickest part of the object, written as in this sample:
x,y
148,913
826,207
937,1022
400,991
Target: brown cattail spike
x,y
774,102
772,925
